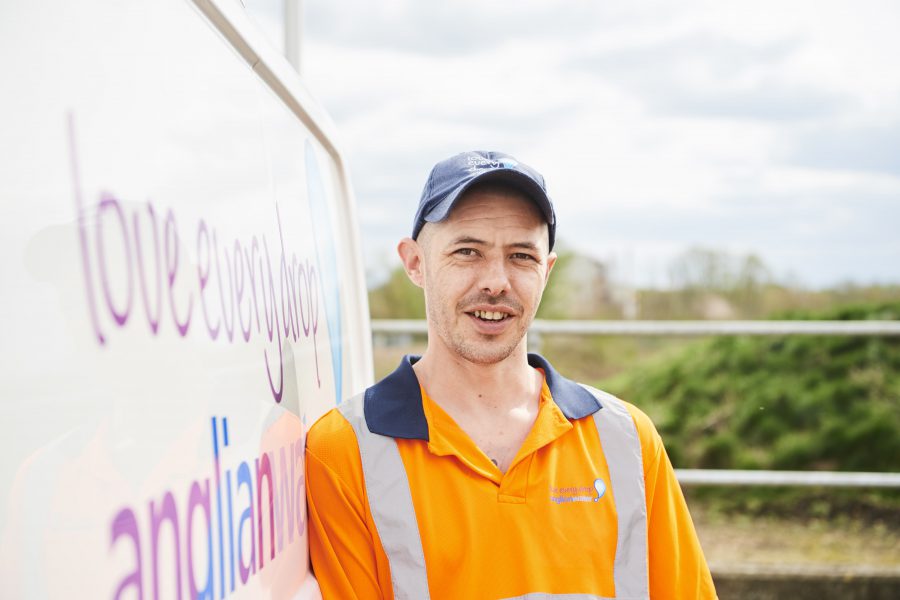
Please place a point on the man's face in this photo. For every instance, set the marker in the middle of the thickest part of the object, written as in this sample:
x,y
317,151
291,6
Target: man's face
x,y
483,269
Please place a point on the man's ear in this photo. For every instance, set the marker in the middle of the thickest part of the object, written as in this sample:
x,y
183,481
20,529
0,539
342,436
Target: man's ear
x,y
551,260
412,255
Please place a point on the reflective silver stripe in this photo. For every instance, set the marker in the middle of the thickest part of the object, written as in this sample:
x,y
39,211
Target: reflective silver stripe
x,y
390,501
542,596
622,448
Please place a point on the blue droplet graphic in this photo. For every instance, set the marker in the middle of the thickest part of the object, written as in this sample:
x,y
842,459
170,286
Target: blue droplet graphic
x,y
601,489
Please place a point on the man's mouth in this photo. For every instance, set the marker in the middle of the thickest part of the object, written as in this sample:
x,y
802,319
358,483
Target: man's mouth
x,y
493,316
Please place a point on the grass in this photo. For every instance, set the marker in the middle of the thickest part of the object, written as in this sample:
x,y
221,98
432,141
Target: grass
x,y
742,539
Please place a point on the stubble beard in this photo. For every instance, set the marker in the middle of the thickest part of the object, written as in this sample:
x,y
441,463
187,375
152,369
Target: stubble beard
x,y
476,348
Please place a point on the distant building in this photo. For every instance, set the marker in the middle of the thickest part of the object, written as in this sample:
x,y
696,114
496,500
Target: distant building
x,y
589,294
712,306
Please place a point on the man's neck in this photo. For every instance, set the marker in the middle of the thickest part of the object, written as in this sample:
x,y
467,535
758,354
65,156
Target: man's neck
x,y
457,383
495,404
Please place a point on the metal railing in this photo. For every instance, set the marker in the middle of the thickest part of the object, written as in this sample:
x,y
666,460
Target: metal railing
x,y
717,477
674,328
735,477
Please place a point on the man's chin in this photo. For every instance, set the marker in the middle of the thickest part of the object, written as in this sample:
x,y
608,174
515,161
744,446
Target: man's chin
x,y
486,353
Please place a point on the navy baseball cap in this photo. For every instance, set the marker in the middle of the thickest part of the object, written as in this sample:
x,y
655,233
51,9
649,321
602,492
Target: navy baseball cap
x,y
450,178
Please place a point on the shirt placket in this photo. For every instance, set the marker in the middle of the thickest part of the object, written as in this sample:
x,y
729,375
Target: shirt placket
x,y
447,438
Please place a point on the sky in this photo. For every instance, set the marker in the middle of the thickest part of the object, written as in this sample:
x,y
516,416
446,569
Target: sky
x,y
763,127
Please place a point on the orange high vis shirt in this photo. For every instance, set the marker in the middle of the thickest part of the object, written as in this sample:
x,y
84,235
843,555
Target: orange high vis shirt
x,y
403,504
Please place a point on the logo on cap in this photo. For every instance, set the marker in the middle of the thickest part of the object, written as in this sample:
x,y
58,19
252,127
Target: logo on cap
x,y
477,162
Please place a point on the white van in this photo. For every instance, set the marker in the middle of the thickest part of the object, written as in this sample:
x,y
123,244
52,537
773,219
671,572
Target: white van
x,y
182,296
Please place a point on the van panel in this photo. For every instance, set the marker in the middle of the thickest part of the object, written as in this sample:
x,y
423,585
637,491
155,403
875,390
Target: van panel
x,y
182,297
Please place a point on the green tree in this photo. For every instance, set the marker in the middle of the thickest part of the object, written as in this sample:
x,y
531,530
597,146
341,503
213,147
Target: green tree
x,y
397,298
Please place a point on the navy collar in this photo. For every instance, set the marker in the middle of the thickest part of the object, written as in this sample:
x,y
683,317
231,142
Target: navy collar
x,y
393,406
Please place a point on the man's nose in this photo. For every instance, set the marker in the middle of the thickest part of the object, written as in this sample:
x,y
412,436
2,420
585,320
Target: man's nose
x,y
495,277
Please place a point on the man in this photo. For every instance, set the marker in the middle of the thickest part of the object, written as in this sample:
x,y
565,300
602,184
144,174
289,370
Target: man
x,y
477,470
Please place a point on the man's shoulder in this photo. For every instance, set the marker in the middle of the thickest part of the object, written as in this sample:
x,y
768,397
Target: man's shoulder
x,y
332,441
641,420
651,443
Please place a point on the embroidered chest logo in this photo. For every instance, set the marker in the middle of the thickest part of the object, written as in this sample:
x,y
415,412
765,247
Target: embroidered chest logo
x,y
592,493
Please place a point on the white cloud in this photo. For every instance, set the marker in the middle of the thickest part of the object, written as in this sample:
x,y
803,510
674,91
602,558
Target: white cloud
x,y
701,113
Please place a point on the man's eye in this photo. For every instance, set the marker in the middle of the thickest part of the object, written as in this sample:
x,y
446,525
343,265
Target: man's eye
x,y
523,256
466,252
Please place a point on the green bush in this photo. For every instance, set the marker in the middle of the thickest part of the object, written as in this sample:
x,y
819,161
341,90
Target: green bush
x,y
792,402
